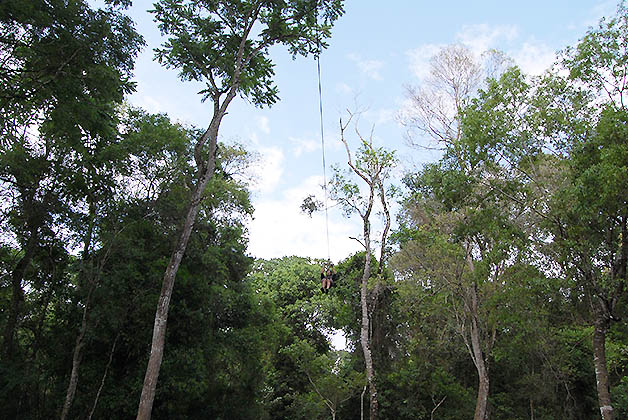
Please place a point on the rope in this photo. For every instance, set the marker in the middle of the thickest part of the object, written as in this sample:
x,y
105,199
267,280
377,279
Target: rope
x,y
320,107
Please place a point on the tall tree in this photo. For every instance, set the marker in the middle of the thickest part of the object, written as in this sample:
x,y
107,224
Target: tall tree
x,y
58,55
225,45
372,165
436,110
559,142
435,106
466,245
66,68
144,137
596,235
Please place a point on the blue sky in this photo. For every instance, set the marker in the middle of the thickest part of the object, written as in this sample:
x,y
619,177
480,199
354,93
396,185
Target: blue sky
x,y
376,49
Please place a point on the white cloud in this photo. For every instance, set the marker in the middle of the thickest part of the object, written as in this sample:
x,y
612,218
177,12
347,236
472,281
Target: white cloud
x,y
602,8
280,228
383,116
344,88
262,125
304,145
371,68
482,37
534,57
269,170
420,59
531,55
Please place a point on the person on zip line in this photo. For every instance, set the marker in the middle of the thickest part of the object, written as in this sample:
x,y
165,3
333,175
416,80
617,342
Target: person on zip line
x,y
328,277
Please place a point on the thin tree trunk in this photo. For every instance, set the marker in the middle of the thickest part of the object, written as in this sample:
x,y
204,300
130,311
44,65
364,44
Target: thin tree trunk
x,y
362,403
76,361
436,407
161,315
531,409
482,369
476,351
373,181
382,197
364,330
104,377
601,371
206,172
79,343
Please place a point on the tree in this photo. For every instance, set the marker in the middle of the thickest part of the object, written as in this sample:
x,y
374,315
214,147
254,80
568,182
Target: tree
x,y
372,165
300,316
144,138
595,236
225,45
331,376
560,140
217,322
466,245
435,107
58,55
67,68
460,187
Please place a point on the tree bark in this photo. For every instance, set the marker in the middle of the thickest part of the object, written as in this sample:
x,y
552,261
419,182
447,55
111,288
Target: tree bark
x,y
481,412
373,180
601,371
478,354
80,343
76,361
364,330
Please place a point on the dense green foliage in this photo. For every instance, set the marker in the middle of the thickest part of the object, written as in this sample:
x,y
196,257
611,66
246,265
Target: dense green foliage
x,y
508,269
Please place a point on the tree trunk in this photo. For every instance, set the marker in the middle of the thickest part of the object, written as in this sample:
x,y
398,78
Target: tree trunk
x,y
481,405
161,314
478,355
79,343
362,403
531,409
364,330
104,376
601,371
76,361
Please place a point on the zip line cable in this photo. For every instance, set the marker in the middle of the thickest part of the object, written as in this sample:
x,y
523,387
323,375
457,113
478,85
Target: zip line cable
x,y
320,107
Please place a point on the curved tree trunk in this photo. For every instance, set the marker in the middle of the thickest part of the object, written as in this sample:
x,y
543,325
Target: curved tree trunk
x,y
161,314
79,343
